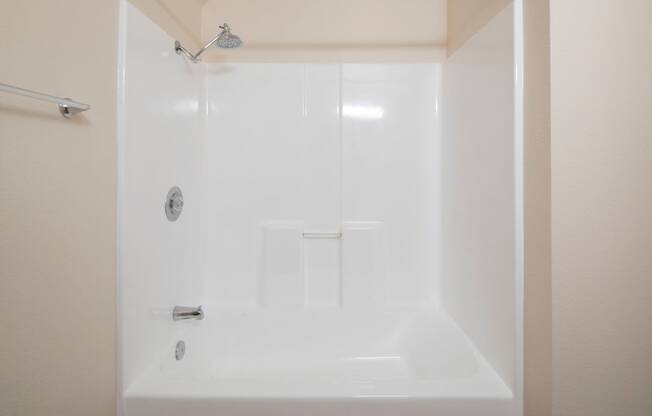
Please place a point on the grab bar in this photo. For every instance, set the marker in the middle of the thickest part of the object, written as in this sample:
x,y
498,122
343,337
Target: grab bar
x,y
321,235
67,106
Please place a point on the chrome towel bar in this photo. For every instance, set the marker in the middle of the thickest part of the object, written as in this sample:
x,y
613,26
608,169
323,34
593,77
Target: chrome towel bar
x,y
67,107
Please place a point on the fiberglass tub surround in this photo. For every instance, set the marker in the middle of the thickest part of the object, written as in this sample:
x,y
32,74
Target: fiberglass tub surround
x,y
340,267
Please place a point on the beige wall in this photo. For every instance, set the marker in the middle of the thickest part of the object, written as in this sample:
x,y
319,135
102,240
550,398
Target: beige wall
x,y
466,17
334,30
538,343
181,19
57,210
309,30
601,207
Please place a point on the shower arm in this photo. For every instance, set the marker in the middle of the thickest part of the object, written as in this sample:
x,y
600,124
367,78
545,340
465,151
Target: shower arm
x,y
179,48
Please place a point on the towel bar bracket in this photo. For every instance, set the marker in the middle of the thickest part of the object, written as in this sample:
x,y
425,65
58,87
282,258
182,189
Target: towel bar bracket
x,y
68,111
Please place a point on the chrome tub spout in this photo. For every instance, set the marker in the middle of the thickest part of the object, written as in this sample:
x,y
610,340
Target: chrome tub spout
x,y
180,313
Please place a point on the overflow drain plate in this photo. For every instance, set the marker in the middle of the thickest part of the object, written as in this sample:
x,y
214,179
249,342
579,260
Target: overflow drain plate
x,y
180,350
174,203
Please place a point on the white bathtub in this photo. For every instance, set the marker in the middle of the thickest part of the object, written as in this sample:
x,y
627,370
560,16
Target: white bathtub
x,y
354,232
382,363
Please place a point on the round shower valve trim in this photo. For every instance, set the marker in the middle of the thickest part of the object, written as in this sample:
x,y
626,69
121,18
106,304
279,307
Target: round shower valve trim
x,y
174,203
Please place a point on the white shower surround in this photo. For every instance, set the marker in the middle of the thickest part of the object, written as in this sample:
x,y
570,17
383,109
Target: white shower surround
x,y
267,152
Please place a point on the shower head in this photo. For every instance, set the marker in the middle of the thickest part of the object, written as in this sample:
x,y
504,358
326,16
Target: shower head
x,y
225,39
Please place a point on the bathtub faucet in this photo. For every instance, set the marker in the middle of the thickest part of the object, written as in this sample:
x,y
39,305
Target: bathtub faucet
x,y
180,313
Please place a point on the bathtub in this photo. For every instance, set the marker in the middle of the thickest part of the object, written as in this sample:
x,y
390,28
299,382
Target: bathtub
x,y
382,363
352,230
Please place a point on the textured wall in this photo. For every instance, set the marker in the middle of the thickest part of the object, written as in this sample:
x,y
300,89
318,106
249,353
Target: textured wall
x,y
601,205
57,210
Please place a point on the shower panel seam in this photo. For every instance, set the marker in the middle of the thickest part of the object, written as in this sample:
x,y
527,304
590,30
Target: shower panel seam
x,y
304,130
341,183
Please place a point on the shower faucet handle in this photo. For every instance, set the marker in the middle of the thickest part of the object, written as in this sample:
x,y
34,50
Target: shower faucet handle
x,y
180,313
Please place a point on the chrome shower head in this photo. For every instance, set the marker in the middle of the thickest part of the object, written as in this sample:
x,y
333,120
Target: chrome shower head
x,y
225,39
